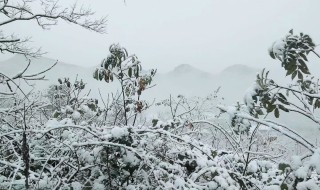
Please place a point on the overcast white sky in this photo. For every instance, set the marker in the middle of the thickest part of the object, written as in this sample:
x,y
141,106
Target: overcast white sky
x,y
208,34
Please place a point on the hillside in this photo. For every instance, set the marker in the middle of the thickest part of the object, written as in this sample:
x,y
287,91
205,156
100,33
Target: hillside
x,y
184,79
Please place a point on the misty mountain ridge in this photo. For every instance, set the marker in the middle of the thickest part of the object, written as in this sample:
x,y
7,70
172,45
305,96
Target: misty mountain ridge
x,y
185,69
239,69
19,62
183,80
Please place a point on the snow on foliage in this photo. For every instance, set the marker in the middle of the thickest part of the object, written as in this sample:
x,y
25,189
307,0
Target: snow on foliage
x,y
67,140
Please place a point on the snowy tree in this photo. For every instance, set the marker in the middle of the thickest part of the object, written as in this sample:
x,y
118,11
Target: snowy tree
x,y
267,96
20,116
133,80
46,14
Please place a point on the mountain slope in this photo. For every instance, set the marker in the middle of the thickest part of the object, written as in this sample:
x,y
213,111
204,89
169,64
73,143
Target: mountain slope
x,y
18,63
191,81
184,79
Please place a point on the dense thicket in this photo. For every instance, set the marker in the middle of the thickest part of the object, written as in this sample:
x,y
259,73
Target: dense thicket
x,y
63,139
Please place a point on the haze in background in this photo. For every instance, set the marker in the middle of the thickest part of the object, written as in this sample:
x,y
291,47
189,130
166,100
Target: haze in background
x,y
182,80
207,34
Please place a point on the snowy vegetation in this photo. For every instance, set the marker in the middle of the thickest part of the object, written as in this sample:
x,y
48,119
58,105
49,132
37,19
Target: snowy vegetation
x,y
64,139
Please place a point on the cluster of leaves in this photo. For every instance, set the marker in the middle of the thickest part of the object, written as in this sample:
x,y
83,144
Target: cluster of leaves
x,y
292,51
126,68
68,100
128,71
239,125
265,97
301,97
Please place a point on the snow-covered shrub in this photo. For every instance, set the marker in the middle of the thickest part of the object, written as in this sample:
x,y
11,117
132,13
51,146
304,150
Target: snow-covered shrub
x,y
301,96
68,100
127,70
61,142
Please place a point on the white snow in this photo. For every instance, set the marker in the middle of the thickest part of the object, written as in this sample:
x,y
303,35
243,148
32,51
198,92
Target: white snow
x,y
296,162
119,132
76,186
76,115
130,158
278,47
253,166
307,185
